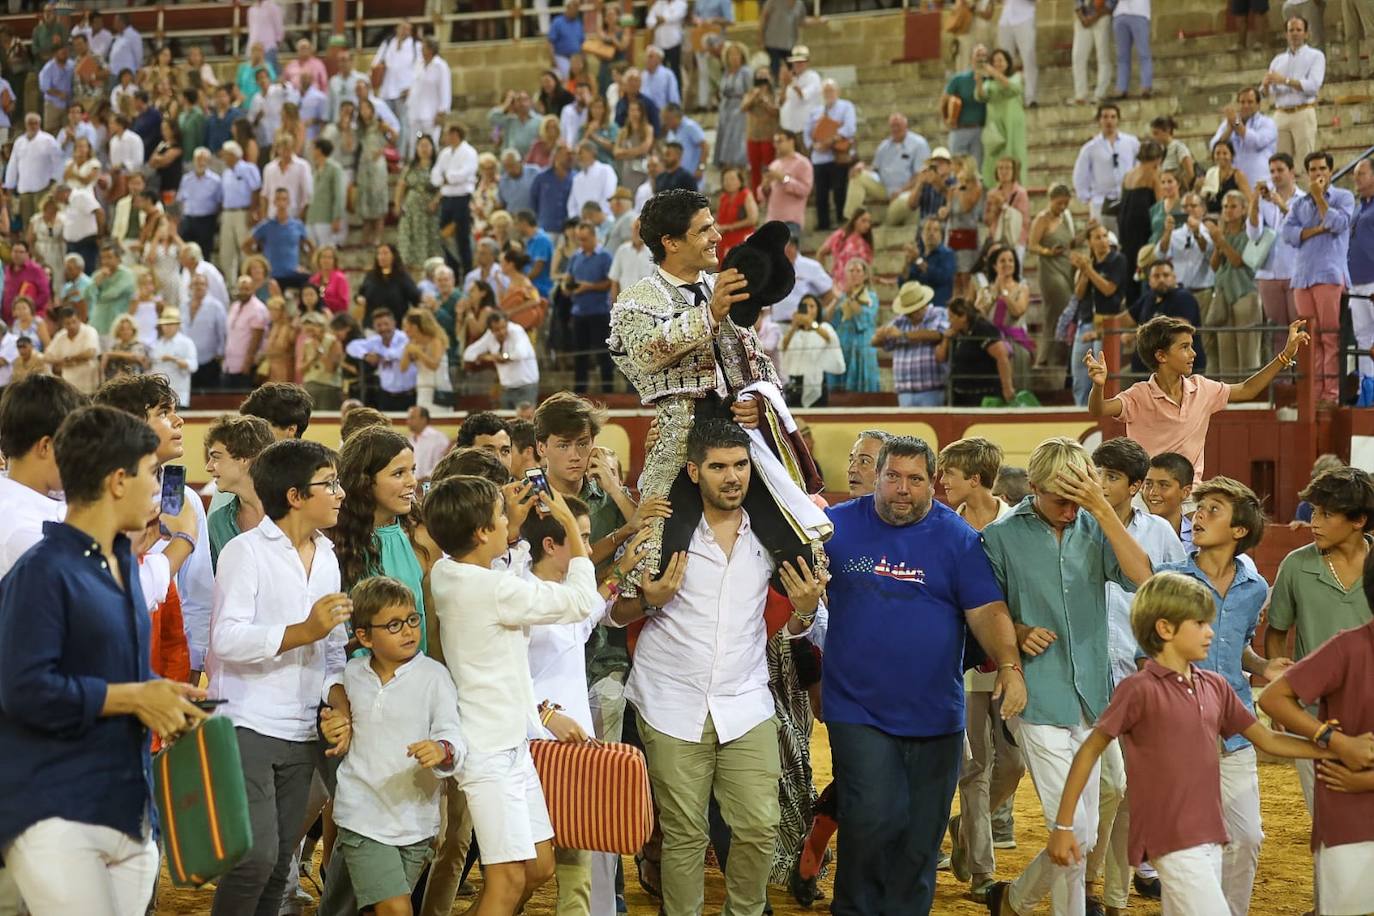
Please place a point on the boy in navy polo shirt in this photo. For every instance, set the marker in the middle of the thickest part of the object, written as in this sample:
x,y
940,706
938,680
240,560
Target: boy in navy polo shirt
x,y
75,710
908,579
589,285
1169,716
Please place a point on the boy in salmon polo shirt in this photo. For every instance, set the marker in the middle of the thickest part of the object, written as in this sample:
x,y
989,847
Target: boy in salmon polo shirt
x,y
1168,716
1172,409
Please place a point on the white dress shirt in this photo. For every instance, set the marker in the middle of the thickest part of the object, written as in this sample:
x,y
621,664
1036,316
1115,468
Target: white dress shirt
x,y
703,653
796,109
432,94
571,120
666,18
178,346
429,447
126,151
484,622
1192,262
523,366
24,511
1261,140
383,793
390,375
35,163
812,279
400,58
597,184
1282,256
1101,165
296,178
455,170
1307,65
261,588
493,276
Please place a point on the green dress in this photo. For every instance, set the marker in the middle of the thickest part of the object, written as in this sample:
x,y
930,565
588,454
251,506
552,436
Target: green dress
x,y
418,233
371,174
1004,131
399,562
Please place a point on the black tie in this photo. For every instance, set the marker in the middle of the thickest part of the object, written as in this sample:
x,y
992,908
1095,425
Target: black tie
x,y
698,292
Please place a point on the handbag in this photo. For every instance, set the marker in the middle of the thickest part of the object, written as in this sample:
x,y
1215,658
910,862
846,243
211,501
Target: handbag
x,y
959,20
1257,250
599,48
597,795
201,803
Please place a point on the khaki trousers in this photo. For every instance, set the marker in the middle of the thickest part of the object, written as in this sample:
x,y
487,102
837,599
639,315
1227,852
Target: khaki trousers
x,y
233,232
863,187
743,774
1297,132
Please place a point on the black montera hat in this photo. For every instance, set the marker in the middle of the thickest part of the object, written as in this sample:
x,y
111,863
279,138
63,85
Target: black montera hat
x,y
763,260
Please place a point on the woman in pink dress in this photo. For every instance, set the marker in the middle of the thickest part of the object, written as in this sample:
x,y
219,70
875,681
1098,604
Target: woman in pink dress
x,y
852,240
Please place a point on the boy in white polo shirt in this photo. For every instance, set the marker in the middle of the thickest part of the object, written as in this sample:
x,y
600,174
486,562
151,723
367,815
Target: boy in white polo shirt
x,y
484,616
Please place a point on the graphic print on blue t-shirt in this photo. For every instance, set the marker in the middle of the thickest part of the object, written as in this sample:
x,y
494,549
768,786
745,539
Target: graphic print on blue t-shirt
x,y
896,599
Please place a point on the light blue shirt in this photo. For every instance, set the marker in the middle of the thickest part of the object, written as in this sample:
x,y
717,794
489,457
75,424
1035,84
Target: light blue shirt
x,y
897,163
515,191
201,195
126,53
84,129
842,111
660,86
1059,584
1156,537
1101,165
207,328
6,87
314,108
1307,65
691,136
1322,258
1192,262
714,9
393,380
238,184
1253,150
55,77
1234,627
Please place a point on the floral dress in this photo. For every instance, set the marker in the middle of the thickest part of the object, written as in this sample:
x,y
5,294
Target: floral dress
x,y
418,232
165,261
730,129
117,367
371,174
856,336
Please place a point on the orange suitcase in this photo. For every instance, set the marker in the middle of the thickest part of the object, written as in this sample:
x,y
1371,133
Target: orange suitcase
x,y
597,794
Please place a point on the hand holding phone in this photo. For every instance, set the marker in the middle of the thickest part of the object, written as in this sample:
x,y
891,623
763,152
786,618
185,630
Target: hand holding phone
x,y
173,488
536,477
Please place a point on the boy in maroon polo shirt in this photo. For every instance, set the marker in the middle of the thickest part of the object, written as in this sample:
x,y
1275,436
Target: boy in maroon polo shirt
x,y
1168,717
1341,675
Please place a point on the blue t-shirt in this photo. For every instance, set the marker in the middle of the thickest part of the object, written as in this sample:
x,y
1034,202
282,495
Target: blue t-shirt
x,y
281,244
895,646
565,35
539,247
549,199
591,268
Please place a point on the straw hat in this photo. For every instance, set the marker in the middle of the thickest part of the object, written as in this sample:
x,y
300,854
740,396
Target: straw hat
x,y
912,297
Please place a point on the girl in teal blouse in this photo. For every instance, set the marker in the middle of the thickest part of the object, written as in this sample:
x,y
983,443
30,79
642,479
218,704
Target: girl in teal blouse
x,y
375,534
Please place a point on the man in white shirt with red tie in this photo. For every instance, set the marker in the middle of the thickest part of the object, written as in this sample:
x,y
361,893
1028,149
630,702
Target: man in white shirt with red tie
x,y
700,682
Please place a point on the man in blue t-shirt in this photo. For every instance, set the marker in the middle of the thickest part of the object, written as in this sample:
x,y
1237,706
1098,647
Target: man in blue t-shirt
x,y
908,579
280,240
589,285
539,249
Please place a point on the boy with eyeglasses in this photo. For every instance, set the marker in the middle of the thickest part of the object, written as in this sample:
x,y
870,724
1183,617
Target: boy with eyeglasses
x,y
404,738
276,649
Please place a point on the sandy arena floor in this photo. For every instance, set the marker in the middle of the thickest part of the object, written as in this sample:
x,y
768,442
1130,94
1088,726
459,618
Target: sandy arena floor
x,y
1283,886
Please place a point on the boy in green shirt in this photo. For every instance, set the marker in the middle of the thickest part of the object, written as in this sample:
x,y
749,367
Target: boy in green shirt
x,y
231,445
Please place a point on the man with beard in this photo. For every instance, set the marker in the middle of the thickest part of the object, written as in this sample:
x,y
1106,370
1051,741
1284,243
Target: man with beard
x,y
700,681
909,576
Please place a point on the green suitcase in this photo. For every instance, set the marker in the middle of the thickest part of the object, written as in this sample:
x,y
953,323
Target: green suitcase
x,y
201,803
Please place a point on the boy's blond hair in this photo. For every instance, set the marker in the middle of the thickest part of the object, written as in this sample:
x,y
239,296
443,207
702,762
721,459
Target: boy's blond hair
x,y
1168,596
974,455
1054,457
